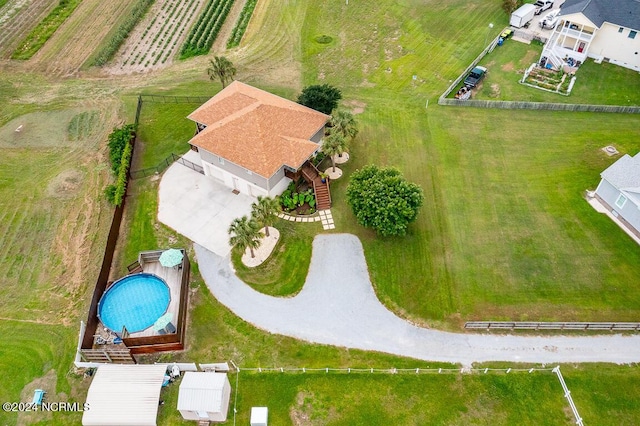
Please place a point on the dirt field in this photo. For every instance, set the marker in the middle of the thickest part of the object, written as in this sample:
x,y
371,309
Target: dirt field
x,y
156,39
78,37
17,18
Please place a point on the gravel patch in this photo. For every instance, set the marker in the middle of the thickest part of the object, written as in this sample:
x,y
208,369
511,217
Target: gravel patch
x,y
338,306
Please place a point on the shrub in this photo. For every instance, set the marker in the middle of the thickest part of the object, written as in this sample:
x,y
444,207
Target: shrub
x,y
241,24
383,200
205,31
118,140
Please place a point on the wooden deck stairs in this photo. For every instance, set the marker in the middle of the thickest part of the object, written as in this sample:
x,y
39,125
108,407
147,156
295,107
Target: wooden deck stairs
x,y
320,189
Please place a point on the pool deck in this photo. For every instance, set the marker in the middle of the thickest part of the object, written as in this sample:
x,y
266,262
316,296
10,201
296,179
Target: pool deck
x,y
172,277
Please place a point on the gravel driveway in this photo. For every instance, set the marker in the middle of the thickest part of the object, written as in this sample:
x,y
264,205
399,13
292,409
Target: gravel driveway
x,y
338,306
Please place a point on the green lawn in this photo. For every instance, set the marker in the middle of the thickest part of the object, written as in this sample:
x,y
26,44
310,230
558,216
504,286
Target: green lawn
x,y
595,84
38,356
284,272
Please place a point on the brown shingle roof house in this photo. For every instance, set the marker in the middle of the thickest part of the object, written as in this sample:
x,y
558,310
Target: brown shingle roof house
x,y
247,137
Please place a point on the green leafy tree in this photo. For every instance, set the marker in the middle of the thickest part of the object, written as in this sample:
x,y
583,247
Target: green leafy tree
x,y
221,69
265,211
332,145
321,97
384,200
245,233
342,122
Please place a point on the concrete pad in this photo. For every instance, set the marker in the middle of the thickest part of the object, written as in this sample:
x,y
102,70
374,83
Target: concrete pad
x,y
262,253
333,174
199,207
341,159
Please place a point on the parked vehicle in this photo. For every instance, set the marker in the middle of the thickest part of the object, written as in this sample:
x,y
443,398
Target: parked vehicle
x,y
506,34
475,76
522,16
542,5
551,20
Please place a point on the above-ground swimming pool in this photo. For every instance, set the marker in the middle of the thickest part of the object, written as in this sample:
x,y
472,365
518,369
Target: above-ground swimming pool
x,y
135,302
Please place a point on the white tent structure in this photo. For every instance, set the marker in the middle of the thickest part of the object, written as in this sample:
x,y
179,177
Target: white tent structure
x,y
204,396
124,395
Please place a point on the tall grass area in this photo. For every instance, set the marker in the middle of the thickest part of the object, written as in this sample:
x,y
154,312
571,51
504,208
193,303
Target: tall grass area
x,y
45,29
117,36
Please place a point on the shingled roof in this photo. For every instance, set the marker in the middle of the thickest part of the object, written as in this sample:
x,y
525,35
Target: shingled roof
x,y
625,13
624,174
256,129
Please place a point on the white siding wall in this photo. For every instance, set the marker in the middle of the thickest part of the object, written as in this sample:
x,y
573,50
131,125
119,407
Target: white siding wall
x,y
232,181
628,212
617,46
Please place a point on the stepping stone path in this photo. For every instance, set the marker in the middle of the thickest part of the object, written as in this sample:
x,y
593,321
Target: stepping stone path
x,y
323,216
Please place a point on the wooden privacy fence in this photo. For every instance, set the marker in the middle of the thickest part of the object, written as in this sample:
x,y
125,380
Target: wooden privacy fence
x,y
539,106
533,325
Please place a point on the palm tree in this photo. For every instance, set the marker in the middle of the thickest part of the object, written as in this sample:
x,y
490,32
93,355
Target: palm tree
x,y
334,144
221,69
245,233
342,121
264,211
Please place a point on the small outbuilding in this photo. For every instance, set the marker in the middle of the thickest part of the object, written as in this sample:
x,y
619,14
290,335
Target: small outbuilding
x,y
124,395
259,416
204,396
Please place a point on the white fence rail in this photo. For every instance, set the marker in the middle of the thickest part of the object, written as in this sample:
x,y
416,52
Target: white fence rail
x,y
567,394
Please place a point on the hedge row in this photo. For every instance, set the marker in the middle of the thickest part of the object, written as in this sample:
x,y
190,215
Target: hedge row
x,y
241,25
45,29
206,29
117,37
120,153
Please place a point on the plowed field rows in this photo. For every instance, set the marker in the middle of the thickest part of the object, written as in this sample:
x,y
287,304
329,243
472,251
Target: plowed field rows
x,y
78,37
158,37
17,18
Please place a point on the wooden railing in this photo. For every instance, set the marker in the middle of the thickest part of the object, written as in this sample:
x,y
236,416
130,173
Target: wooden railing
x,y
535,325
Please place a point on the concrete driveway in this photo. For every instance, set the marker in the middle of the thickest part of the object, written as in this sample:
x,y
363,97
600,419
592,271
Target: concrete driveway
x,y
338,306
199,207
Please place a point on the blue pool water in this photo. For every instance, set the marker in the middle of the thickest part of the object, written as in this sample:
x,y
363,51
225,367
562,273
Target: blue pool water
x,y
135,301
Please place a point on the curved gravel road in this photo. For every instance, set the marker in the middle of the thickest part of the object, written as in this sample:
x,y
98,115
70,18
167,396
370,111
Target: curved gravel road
x,y
338,306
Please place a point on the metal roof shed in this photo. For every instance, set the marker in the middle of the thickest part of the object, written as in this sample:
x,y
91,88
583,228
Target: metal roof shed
x,y
124,395
204,396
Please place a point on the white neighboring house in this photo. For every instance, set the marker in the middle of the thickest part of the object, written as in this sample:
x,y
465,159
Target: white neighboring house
x,y
204,396
603,30
619,191
254,141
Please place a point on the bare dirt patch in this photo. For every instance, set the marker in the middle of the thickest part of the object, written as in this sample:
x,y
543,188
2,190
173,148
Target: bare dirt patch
x,y
66,184
508,66
73,43
220,45
356,107
495,90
